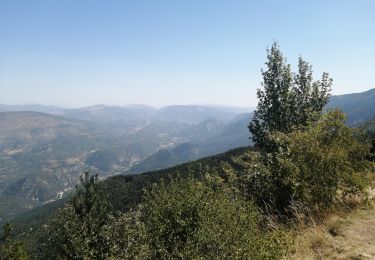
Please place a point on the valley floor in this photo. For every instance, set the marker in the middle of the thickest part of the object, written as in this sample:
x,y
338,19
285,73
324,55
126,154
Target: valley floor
x,y
349,236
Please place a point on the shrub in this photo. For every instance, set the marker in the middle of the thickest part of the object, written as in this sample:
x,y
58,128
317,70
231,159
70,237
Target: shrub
x,y
314,166
10,249
319,165
189,219
76,231
127,236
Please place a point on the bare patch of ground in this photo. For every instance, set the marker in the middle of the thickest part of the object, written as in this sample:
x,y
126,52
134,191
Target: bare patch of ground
x,y
344,236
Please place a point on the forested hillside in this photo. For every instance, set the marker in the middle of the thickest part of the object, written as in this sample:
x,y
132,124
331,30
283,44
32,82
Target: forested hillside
x,y
126,191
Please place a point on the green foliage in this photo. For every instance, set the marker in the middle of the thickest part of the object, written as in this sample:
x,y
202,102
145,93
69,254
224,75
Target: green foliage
x,y
11,249
76,231
255,180
286,101
189,219
127,237
89,202
308,96
306,157
366,134
318,165
125,192
358,107
178,218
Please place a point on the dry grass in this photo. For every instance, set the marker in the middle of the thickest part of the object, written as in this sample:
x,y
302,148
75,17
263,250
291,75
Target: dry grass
x,y
346,233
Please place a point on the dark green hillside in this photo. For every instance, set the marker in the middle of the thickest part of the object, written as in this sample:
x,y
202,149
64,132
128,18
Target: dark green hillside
x,y
12,206
358,107
26,224
124,192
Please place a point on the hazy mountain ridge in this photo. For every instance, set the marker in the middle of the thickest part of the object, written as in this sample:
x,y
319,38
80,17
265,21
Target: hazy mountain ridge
x,y
358,107
190,114
42,155
228,136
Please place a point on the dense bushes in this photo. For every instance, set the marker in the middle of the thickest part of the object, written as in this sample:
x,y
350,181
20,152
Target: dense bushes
x,y
322,163
189,218
184,218
76,230
10,249
315,166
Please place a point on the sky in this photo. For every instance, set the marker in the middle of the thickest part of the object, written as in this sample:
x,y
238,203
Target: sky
x,y
76,53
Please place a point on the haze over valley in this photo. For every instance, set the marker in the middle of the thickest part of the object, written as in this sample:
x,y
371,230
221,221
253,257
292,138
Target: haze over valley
x,y
44,149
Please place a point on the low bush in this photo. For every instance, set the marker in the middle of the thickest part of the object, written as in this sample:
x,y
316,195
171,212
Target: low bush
x,y
189,219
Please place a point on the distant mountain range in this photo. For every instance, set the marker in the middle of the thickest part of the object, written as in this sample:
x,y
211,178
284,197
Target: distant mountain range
x,y
43,154
229,136
358,107
44,149
190,114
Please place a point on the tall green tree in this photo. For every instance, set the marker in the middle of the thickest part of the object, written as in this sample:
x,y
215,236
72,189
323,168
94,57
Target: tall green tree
x,y
287,100
77,231
308,96
10,249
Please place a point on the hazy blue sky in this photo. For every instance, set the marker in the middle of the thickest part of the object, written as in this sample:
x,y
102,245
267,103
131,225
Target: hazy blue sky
x,y
76,53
